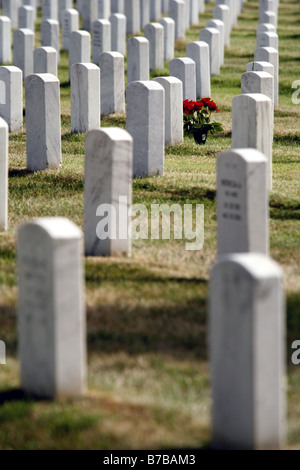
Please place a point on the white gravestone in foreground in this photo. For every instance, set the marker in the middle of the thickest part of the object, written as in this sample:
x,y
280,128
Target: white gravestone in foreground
x,y
51,308
247,352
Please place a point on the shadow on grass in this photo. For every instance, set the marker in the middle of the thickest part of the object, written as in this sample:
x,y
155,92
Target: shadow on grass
x,y
39,182
284,210
12,395
193,193
166,322
19,173
287,139
293,317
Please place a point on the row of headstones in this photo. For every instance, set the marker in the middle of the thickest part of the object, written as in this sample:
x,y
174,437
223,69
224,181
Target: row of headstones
x,y
140,12
253,111
106,36
216,35
248,408
243,330
137,12
111,36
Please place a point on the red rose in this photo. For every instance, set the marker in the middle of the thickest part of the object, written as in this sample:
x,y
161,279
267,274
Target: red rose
x,y
212,106
188,106
205,101
198,105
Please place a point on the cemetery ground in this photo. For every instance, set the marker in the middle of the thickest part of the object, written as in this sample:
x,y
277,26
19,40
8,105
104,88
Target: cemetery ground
x,y
148,372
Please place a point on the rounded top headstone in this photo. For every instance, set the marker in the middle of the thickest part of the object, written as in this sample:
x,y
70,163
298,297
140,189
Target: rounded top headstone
x,y
257,265
56,227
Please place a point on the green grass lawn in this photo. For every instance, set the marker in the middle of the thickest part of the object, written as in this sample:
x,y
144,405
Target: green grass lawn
x,y
148,375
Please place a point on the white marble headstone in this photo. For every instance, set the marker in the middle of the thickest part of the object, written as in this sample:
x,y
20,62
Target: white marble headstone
x,y
51,310
107,192
247,352
242,202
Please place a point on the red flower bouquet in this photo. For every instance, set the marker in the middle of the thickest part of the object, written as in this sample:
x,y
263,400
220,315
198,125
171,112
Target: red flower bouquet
x,y
197,119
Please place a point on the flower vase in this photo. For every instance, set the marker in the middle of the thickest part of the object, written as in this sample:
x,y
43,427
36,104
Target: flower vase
x,y
200,136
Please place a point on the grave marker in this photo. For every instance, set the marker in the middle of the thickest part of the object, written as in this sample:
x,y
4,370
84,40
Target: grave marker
x,y
45,60
146,110
247,330
154,32
252,126
173,109
107,181
23,50
242,202
43,125
137,59
51,311
11,97
3,175
184,69
85,97
198,51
